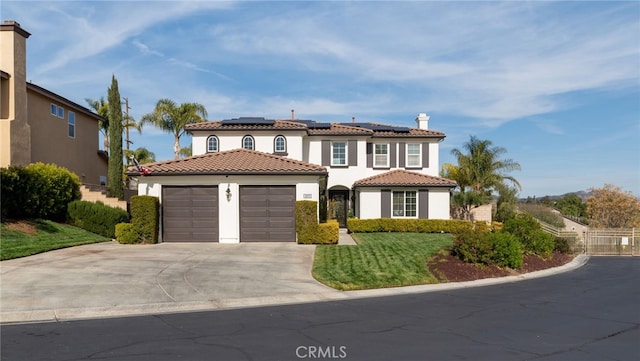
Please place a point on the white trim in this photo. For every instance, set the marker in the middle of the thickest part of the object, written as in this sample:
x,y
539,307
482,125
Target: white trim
x,y
404,203
217,144
419,160
346,153
376,154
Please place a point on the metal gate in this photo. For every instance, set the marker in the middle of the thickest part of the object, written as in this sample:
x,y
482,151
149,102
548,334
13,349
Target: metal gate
x,y
622,241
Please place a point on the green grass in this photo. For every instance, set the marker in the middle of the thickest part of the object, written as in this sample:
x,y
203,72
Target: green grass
x,y
380,260
48,236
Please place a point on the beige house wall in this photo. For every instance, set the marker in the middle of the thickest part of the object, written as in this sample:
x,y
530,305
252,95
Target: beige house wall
x,y
29,133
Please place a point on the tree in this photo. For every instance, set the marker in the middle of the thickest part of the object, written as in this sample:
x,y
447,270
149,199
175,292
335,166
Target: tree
x,y
173,119
571,205
142,155
186,151
479,173
611,207
102,109
506,204
116,187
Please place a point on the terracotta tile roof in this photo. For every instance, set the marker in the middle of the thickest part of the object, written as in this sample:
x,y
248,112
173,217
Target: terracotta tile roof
x,y
231,162
413,132
403,178
340,129
218,125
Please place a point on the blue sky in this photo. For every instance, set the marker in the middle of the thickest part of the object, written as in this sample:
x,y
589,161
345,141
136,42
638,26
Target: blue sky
x,y
555,83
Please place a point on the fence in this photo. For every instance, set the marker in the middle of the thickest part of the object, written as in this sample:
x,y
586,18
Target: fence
x,y
622,241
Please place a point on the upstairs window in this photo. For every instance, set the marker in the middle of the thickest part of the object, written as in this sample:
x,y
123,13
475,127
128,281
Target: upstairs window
x,y
381,155
212,144
404,204
248,142
72,125
54,110
61,112
414,155
280,144
338,153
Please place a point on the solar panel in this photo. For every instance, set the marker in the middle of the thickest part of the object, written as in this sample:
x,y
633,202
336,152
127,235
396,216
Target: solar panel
x,y
315,125
379,127
248,121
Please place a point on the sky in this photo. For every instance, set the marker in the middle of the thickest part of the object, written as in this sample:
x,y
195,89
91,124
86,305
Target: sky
x,y
557,84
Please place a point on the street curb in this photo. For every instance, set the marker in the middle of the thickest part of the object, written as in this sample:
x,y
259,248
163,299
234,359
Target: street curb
x,y
70,314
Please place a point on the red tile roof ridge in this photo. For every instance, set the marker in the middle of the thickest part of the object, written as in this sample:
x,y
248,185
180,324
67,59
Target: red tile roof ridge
x,y
401,177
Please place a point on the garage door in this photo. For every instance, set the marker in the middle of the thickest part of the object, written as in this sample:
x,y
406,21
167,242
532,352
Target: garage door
x,y
190,214
267,213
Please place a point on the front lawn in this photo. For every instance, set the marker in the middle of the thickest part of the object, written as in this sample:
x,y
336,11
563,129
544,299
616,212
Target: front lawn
x,y
380,260
25,238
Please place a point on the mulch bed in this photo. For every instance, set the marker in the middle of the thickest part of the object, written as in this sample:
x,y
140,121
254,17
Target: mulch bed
x,y
448,268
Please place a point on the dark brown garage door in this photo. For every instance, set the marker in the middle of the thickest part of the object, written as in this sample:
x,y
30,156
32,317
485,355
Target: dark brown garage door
x,y
267,213
190,214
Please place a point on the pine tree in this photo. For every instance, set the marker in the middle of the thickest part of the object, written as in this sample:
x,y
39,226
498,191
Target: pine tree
x,y
116,187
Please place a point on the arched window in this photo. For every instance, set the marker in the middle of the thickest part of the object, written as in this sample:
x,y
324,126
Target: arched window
x,y
247,142
280,144
212,144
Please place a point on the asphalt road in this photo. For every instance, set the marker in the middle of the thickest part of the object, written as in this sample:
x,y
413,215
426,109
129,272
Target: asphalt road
x,y
592,313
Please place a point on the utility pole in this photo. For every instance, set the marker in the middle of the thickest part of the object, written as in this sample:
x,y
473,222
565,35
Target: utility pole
x,y
126,121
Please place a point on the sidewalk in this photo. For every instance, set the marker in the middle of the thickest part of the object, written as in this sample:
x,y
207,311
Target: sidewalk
x,y
114,280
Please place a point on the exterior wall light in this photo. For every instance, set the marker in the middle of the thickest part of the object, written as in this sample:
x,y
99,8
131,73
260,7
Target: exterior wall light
x,y
228,192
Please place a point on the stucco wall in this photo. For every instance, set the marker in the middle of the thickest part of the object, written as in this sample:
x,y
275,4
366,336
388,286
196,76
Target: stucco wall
x,y
229,211
229,140
50,141
368,203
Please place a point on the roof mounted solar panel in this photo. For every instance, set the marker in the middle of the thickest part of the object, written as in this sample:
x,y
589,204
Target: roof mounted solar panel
x,y
379,127
248,121
316,125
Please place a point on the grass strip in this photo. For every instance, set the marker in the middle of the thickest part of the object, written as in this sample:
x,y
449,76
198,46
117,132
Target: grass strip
x,y
25,238
380,260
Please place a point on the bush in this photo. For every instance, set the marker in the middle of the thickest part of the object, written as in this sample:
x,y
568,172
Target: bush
x,y
38,191
543,213
126,233
562,245
96,217
529,232
506,250
408,225
328,233
145,217
497,248
306,221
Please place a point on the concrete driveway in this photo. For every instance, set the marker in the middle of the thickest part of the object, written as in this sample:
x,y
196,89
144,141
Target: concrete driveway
x,y
110,279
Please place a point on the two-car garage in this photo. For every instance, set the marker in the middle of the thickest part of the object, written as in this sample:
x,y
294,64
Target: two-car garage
x,y
190,213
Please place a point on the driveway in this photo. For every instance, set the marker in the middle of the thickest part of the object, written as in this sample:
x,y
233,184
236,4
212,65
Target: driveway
x,y
110,279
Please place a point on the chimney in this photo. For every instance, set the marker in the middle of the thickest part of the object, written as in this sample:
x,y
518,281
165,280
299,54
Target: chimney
x,y
423,121
293,114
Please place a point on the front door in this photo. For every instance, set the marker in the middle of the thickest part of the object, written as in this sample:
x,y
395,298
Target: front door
x,y
339,206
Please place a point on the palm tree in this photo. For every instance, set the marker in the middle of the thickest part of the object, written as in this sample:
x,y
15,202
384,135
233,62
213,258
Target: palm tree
x,y
172,119
479,173
101,107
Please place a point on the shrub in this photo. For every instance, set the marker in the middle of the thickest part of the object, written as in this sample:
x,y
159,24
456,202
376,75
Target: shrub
x,y
506,250
145,217
306,221
328,233
38,191
96,217
529,232
562,245
408,225
126,233
497,248
543,213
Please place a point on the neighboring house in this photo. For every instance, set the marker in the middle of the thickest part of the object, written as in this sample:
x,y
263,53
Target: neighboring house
x,y
37,125
374,171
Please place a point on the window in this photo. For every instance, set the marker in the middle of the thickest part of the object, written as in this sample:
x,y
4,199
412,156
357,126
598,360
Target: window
x,y
61,112
54,110
404,204
338,153
280,144
414,156
381,155
72,124
247,142
212,144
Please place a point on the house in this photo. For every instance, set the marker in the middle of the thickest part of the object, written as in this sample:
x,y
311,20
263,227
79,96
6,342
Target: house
x,y
37,125
254,169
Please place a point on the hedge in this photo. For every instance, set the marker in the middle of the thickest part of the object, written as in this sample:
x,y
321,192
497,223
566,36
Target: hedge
x,y
480,247
145,217
126,233
308,229
38,191
96,217
408,225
